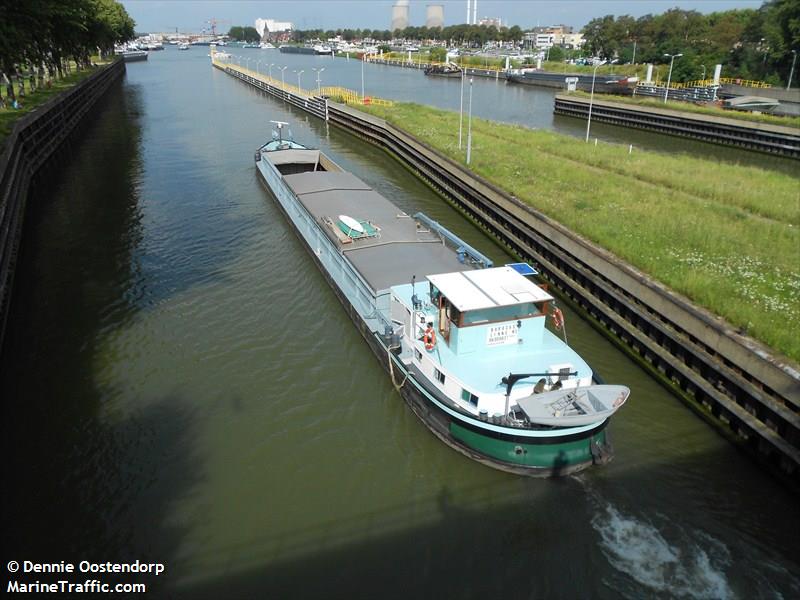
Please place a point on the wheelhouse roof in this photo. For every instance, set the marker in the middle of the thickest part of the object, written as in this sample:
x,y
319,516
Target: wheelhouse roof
x,y
487,288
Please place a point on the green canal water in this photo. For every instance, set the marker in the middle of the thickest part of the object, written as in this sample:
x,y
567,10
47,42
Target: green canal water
x,y
180,386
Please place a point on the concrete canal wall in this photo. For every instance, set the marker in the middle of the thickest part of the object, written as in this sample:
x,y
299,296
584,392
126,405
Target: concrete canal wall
x,y
32,142
762,137
731,380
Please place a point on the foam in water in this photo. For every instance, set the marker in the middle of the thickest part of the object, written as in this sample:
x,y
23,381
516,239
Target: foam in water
x,y
638,549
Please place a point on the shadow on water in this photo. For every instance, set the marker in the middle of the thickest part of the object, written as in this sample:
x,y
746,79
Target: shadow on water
x,y
499,540
81,480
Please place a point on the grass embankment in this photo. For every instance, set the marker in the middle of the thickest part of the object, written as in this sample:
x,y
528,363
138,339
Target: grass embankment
x,y
32,100
704,109
726,236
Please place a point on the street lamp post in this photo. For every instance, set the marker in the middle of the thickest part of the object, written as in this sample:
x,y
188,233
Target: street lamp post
x,y
591,99
704,73
469,124
283,82
791,72
258,67
300,72
318,71
461,110
672,58
270,69
363,58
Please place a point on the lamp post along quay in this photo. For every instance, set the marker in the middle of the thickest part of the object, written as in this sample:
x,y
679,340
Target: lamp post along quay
x,y
669,77
300,72
318,72
469,124
283,82
461,110
591,99
791,71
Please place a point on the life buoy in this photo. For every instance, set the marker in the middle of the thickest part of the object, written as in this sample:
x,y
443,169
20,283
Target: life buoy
x,y
429,338
558,318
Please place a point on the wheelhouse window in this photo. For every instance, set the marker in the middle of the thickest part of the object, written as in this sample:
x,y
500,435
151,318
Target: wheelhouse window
x,y
468,396
439,376
500,313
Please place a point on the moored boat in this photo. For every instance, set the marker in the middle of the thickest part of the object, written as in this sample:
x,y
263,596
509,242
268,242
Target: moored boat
x,y
608,84
464,342
446,70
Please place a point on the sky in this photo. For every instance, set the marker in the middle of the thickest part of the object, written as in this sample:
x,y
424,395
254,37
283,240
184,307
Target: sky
x,y
193,15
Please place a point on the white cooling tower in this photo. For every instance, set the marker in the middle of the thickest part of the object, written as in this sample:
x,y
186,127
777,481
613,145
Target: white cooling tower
x,y
434,16
400,15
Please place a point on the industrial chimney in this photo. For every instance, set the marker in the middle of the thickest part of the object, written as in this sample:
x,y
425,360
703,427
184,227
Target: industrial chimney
x,y
434,16
400,15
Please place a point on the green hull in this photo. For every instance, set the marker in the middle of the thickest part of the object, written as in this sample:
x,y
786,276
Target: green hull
x,y
553,458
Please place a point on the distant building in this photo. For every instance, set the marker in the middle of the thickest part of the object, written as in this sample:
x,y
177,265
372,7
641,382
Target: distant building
x,y
434,16
570,40
553,35
271,30
495,22
400,15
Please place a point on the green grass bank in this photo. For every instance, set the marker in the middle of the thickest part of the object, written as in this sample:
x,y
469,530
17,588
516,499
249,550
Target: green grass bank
x,y
726,236
703,109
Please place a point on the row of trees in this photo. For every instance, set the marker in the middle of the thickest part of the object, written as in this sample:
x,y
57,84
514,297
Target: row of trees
x,y
39,34
466,35
750,44
244,34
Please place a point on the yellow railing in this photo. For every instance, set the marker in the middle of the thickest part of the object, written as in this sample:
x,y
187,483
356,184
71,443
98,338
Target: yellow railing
x,y
351,97
745,82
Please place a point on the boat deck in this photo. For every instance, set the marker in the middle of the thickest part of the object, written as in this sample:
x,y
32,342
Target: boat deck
x,y
400,251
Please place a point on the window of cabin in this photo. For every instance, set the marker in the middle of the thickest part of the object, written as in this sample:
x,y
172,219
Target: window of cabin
x,y
500,313
468,396
439,375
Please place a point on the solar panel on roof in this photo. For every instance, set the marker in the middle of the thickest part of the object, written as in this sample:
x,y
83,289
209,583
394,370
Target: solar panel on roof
x,y
523,268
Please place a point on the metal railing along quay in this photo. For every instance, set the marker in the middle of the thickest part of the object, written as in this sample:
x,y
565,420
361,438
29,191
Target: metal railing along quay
x,y
729,379
33,140
763,137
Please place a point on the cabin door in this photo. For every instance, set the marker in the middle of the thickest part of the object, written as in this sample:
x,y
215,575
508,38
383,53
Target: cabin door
x,y
444,318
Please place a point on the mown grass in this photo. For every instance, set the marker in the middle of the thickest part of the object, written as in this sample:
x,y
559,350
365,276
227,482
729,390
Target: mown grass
x,y
701,109
726,236
32,100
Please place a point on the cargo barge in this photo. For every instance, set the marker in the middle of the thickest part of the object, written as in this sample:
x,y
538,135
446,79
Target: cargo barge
x,y
464,343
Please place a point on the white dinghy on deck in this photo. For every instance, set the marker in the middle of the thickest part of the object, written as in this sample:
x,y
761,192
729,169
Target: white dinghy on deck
x,y
574,407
